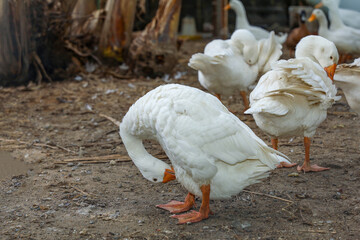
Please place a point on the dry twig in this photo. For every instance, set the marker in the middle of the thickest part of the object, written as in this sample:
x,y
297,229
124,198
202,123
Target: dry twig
x,y
36,144
116,122
103,159
81,54
82,192
343,113
285,210
41,66
317,231
114,74
96,158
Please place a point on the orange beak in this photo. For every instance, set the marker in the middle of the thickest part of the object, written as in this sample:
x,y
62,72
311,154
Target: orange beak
x,y
330,70
319,5
312,18
169,175
227,7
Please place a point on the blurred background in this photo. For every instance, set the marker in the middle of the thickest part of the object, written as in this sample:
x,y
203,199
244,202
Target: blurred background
x,y
53,39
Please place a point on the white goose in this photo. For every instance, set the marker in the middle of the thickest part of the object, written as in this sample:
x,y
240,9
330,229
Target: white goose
x,y
229,66
346,39
243,23
347,77
213,153
292,99
339,16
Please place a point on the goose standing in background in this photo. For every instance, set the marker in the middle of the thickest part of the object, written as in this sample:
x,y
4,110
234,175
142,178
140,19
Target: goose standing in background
x,y
243,23
293,98
213,153
347,77
230,66
339,16
346,39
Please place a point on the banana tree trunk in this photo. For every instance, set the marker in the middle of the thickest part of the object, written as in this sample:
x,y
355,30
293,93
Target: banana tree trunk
x,y
154,51
82,14
118,26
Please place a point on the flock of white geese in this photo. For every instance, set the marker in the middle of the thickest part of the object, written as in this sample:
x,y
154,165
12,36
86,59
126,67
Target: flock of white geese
x,y
215,155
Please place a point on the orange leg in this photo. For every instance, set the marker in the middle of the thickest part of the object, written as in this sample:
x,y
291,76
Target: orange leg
x,y
306,167
178,207
204,211
245,100
274,143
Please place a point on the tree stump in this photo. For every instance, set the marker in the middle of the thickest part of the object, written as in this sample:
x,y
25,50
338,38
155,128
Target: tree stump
x,y
14,41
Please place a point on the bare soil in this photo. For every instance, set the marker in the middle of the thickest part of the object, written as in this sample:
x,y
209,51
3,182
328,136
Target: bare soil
x,y
107,198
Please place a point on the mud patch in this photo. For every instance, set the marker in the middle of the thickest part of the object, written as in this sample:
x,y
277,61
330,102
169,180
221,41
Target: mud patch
x,y
11,167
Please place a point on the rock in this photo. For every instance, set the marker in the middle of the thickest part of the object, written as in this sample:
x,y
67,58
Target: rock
x,y
96,179
85,211
245,225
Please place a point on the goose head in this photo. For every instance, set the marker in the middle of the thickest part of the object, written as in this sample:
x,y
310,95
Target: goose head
x,y
151,168
321,51
246,43
236,5
158,172
317,14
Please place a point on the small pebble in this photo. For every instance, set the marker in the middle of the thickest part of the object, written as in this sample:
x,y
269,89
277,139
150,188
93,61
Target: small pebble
x,y
96,179
245,225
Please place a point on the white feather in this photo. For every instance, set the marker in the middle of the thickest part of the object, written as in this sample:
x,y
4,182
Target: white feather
x,y
230,66
347,77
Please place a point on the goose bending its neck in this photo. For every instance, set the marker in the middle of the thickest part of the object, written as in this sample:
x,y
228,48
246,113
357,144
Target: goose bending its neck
x,y
213,153
150,167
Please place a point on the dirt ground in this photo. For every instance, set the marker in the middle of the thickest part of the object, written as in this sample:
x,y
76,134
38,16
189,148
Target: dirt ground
x,y
78,182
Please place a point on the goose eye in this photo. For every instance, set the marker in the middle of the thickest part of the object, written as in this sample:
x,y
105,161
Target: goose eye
x,y
155,179
331,57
